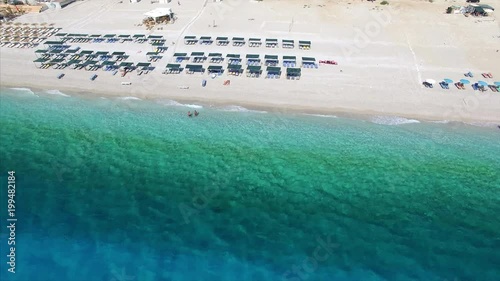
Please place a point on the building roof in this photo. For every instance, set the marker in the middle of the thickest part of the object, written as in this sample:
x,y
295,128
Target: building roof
x,y
159,12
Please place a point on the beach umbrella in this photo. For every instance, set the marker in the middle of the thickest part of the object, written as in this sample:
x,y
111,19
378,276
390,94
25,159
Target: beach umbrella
x,y
464,81
448,80
482,83
496,83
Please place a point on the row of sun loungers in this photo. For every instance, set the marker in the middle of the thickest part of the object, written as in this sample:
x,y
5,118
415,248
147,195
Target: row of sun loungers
x,y
18,45
24,37
110,38
57,58
35,31
461,85
251,60
252,42
273,76
250,71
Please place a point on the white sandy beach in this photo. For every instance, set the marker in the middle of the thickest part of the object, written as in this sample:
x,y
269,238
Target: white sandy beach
x,y
384,54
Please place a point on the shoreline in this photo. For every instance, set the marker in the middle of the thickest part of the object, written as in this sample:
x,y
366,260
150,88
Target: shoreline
x,y
381,76
370,116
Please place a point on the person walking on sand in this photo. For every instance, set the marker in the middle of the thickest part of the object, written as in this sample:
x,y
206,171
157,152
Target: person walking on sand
x,y
179,3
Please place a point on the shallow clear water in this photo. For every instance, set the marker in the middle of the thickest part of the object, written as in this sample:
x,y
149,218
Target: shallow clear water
x,y
113,189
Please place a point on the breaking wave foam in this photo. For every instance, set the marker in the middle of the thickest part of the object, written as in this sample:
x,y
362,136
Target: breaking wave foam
x,y
392,120
24,90
175,103
130,98
321,115
56,92
483,124
237,108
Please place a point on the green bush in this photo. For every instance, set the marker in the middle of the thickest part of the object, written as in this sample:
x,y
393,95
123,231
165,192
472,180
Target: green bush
x,y
384,3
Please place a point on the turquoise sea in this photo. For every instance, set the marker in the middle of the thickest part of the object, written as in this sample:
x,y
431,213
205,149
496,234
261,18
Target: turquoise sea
x,y
123,189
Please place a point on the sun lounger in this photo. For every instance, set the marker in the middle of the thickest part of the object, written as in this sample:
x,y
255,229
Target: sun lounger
x,y
493,88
